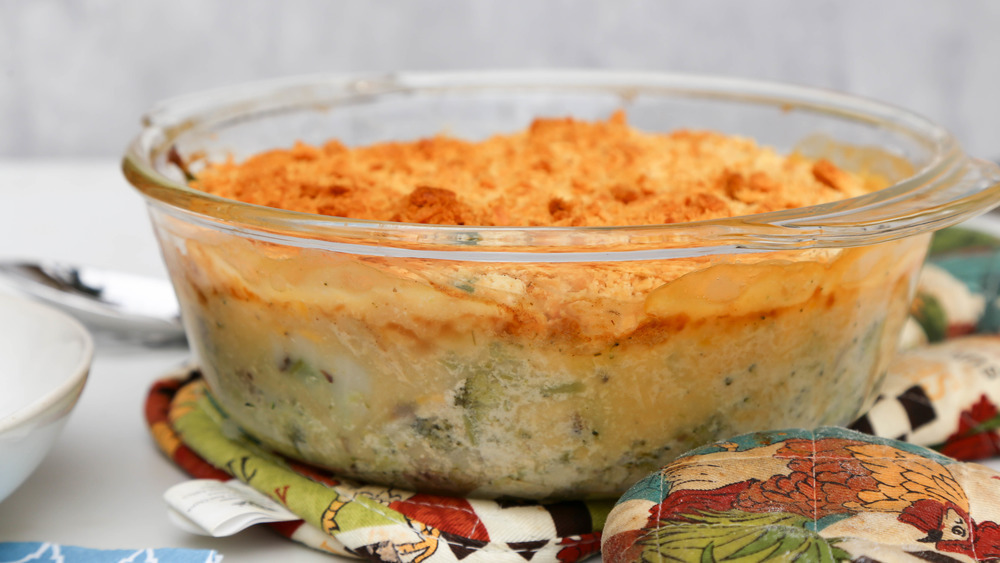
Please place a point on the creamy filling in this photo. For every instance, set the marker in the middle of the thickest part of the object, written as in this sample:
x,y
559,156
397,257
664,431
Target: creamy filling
x,y
537,380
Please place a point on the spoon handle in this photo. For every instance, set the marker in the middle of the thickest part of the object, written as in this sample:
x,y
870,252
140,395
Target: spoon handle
x,y
129,306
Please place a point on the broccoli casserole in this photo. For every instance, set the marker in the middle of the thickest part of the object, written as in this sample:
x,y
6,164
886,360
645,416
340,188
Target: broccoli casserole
x,y
544,379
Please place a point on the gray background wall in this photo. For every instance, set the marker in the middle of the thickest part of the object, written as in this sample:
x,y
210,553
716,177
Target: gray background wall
x,y
75,75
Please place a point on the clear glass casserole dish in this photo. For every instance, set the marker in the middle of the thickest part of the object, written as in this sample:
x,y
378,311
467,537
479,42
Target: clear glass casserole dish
x,y
541,362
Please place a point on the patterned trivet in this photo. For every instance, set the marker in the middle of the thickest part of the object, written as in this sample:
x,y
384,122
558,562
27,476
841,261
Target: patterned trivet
x,y
828,495
365,521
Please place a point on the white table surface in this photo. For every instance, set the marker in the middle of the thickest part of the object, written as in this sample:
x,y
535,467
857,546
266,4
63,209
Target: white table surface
x,y
102,484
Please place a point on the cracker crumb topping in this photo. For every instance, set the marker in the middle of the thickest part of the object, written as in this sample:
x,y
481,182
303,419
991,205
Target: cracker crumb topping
x,y
557,172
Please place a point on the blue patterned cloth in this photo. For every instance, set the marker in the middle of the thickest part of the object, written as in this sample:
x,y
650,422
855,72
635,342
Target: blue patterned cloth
x,y
16,552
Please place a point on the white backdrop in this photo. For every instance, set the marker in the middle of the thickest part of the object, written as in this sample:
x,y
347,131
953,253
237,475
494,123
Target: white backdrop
x,y
76,75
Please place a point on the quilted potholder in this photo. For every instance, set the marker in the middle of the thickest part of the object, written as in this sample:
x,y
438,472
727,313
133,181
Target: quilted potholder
x,y
823,496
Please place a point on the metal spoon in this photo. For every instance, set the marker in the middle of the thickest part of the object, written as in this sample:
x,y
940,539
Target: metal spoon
x,y
126,305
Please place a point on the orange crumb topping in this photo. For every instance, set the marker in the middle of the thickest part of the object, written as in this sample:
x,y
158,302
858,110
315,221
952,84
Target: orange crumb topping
x,y
560,172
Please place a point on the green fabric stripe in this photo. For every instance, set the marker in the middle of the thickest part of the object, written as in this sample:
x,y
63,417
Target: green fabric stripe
x,y
202,430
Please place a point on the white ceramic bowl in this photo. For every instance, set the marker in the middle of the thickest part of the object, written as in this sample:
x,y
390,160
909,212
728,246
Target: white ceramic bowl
x,y
44,362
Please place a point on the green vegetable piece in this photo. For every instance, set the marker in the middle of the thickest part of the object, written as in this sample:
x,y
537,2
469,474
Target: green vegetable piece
x,y
481,393
485,389
438,432
466,287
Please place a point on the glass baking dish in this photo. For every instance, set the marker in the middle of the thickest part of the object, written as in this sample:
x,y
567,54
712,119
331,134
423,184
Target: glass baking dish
x,y
542,362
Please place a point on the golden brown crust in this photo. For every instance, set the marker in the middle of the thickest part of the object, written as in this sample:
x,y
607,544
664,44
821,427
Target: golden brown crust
x,y
559,172
434,206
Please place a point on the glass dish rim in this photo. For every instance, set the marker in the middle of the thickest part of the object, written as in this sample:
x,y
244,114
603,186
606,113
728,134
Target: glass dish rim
x,y
952,186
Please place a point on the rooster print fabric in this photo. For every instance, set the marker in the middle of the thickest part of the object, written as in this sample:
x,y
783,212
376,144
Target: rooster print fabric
x,y
828,495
